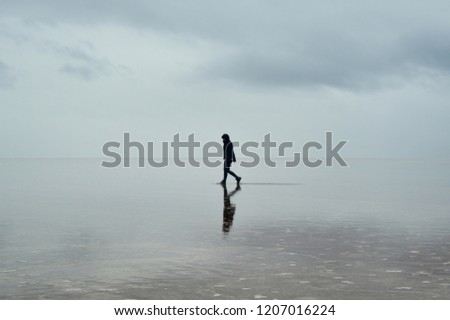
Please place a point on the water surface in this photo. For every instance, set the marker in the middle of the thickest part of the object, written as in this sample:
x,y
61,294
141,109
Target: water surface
x,y
70,229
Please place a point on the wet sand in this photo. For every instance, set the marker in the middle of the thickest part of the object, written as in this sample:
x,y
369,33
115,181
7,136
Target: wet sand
x,y
70,229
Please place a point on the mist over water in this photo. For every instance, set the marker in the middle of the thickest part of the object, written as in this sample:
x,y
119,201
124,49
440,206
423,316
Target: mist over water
x,y
70,229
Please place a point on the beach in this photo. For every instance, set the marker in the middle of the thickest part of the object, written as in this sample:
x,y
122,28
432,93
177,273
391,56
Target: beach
x,y
71,229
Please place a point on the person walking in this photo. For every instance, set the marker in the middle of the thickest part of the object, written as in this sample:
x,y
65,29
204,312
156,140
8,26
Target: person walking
x,y
229,157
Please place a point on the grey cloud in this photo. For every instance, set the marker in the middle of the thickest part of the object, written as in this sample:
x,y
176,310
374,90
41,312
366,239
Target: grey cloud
x,y
336,63
431,50
350,45
82,11
6,76
75,53
83,72
80,62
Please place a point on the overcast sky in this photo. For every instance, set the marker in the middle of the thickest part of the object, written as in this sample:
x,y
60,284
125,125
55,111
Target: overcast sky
x,y
75,74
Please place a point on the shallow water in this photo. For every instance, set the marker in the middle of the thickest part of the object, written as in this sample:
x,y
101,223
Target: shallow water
x,y
70,229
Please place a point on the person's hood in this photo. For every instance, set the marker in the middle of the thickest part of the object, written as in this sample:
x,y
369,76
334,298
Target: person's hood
x,y
226,137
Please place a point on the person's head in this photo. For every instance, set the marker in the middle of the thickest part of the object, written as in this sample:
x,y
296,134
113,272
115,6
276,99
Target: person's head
x,y
225,137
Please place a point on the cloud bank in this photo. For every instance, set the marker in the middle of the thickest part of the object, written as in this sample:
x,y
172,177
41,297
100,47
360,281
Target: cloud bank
x,y
350,45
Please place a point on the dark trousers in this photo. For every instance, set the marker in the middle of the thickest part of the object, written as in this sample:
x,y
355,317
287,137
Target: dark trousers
x,y
226,171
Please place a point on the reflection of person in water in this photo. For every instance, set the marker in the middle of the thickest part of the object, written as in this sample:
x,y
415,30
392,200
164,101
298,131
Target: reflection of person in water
x,y
229,209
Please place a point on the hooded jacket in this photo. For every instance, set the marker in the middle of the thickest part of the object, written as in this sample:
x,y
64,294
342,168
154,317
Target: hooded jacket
x,y
228,153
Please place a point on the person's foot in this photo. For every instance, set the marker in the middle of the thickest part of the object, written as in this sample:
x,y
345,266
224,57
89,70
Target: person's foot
x,y
238,179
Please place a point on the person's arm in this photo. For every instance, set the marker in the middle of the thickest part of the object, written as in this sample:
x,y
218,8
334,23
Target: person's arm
x,y
234,157
229,152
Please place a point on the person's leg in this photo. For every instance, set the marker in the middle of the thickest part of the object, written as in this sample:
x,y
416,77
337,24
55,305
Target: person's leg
x,y
225,174
232,173
226,169
238,179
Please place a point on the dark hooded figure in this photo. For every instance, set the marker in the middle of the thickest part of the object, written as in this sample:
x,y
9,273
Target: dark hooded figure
x,y
229,157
